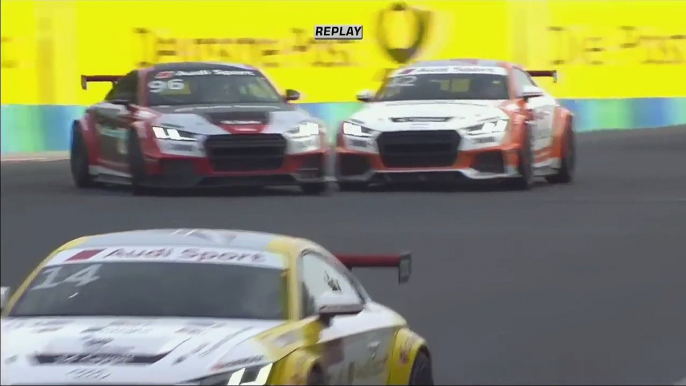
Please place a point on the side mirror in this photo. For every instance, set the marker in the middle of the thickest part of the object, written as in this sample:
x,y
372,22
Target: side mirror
x,y
4,297
529,92
365,96
292,95
332,304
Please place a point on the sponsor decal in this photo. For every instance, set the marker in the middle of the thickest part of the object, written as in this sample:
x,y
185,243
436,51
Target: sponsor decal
x,y
124,330
420,119
191,353
288,338
451,70
188,254
406,350
94,374
241,122
240,362
164,75
222,342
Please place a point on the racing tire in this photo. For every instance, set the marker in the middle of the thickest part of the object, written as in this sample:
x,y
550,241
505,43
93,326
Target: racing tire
x,y
525,167
422,373
78,160
136,163
316,377
314,188
565,174
352,186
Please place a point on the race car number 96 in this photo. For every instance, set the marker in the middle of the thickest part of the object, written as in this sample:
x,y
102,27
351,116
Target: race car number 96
x,y
159,86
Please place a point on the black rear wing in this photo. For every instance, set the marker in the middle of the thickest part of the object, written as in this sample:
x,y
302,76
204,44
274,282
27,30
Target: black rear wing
x,y
401,261
544,73
85,79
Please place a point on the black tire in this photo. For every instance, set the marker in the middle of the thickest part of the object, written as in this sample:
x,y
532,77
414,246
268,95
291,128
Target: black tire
x,y
525,167
136,164
352,186
78,160
422,373
565,174
316,377
314,188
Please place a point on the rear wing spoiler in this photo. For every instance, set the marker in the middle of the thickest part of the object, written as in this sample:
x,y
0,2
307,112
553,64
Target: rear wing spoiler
x,y
85,79
401,261
544,73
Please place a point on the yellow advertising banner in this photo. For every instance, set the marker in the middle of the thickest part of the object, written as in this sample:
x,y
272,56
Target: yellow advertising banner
x,y
603,48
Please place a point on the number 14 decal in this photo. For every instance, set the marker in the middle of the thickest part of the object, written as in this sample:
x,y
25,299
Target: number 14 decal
x,y
80,278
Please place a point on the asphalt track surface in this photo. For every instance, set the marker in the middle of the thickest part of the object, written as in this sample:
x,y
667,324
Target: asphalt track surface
x,y
578,284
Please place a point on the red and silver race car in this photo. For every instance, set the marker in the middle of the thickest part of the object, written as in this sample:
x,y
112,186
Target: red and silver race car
x,y
451,120
188,125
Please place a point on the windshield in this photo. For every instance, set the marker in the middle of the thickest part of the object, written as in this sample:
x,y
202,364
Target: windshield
x,y
444,86
212,86
155,290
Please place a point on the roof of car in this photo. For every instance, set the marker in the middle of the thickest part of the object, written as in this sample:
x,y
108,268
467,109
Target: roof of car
x,y
215,238
460,62
194,66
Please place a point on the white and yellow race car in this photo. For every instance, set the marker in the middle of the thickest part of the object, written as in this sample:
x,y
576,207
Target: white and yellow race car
x,y
205,307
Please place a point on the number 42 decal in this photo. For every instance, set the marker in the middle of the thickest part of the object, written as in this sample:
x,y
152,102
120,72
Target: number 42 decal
x,y
78,279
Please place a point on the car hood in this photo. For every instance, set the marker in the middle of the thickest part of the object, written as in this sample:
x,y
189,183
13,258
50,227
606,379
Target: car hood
x,y
122,350
428,115
234,119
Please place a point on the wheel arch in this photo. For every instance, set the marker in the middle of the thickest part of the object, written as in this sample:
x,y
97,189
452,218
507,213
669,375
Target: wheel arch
x,y
407,346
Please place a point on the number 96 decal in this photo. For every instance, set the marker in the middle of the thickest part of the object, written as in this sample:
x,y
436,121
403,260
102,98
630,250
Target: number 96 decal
x,y
92,374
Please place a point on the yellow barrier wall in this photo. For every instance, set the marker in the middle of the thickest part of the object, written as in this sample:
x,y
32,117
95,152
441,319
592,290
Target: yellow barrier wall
x,y
603,49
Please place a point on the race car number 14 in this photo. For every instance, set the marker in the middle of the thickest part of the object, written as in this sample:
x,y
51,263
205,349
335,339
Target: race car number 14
x,y
78,279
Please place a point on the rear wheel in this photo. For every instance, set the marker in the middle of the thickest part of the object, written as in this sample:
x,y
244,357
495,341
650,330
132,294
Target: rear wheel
x,y
136,164
524,167
78,160
352,186
422,373
314,188
565,174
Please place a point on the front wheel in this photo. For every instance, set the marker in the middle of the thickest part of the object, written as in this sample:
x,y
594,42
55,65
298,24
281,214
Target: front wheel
x,y
78,160
422,373
568,163
136,164
524,167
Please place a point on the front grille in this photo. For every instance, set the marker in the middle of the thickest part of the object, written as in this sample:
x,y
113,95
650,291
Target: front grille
x,y
245,152
353,164
417,149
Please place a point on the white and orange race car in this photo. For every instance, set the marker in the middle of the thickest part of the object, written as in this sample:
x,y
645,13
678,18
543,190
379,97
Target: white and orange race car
x,y
451,120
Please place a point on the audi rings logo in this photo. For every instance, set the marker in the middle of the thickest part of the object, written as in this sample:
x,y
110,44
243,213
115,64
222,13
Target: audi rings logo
x,y
420,33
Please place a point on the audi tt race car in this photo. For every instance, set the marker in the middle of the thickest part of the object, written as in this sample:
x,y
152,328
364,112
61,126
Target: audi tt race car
x,y
451,120
183,125
205,307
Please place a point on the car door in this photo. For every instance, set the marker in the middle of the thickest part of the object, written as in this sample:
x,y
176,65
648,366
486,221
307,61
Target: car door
x,y
356,348
113,120
544,110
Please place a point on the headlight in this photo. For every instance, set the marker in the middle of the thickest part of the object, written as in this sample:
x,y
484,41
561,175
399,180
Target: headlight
x,y
356,130
306,129
172,134
493,127
256,375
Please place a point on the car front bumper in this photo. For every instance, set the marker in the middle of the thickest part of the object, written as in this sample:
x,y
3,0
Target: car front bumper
x,y
194,172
